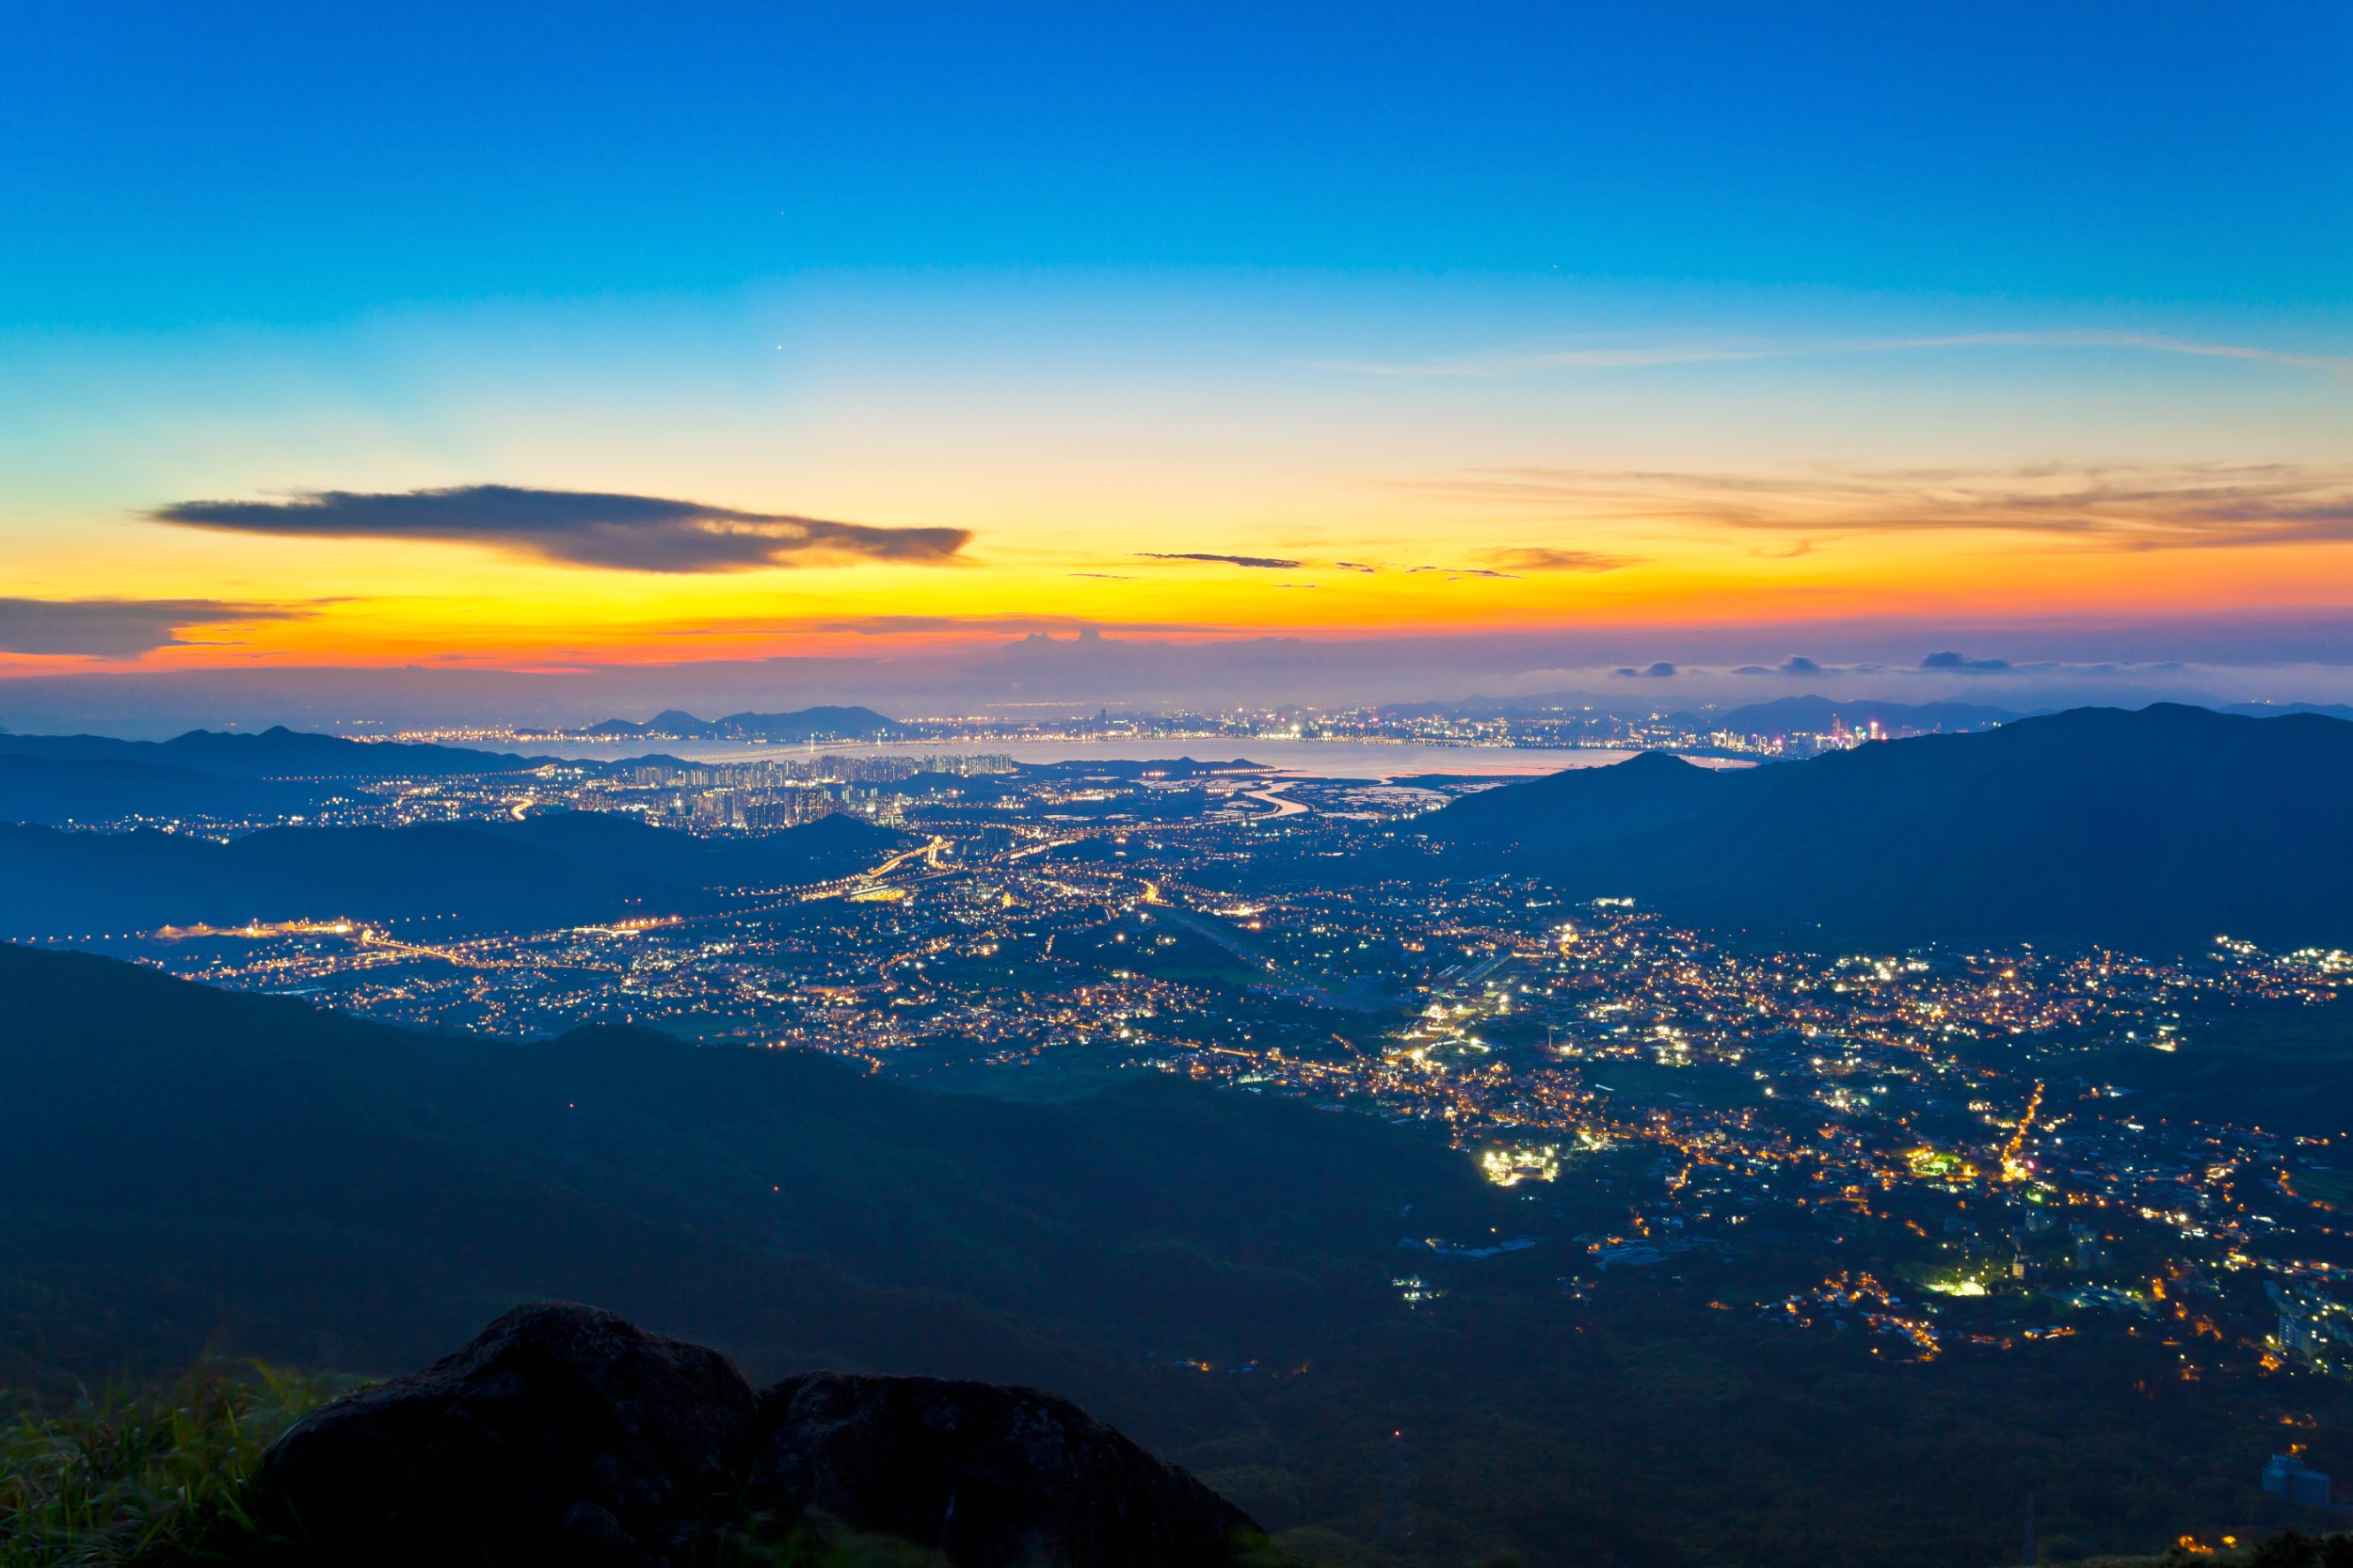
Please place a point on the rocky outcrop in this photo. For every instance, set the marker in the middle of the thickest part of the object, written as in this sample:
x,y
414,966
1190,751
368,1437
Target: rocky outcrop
x,y
566,1435
563,1434
990,1476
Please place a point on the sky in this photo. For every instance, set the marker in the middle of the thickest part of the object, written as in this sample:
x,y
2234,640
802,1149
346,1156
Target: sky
x,y
1238,352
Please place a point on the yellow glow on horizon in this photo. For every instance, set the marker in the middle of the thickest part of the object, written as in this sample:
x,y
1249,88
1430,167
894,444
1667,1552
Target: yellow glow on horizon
x,y
1663,555
384,603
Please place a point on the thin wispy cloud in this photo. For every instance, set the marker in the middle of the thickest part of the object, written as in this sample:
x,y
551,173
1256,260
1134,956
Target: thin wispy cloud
x,y
1524,558
1518,360
921,626
1502,562
121,628
1455,574
1266,563
2103,506
579,528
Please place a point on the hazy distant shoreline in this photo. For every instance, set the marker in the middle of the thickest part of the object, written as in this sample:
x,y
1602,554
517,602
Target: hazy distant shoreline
x,y
1321,759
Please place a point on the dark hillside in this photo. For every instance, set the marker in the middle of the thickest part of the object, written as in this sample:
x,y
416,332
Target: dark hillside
x,y
628,846
2155,829
1209,1270
1581,806
2274,1065
54,792
67,883
562,868
181,1161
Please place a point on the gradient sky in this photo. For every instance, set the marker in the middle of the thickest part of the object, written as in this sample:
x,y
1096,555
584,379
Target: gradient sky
x,y
1635,327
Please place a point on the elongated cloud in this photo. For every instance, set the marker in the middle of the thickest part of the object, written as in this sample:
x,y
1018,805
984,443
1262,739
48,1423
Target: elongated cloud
x,y
1525,358
2119,506
917,626
1274,563
579,528
117,627
1545,558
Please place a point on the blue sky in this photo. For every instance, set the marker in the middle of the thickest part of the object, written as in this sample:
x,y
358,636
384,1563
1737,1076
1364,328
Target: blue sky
x,y
169,163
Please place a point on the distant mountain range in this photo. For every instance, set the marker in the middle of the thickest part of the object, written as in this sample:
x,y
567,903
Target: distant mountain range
x,y
1535,705
808,724
1814,715
38,789
2155,829
553,870
274,753
1782,716
2281,709
60,779
1809,714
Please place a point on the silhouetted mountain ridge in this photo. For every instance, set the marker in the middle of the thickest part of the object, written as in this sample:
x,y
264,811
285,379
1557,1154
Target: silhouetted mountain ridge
x,y
803,724
1814,715
558,868
275,753
2159,828
56,792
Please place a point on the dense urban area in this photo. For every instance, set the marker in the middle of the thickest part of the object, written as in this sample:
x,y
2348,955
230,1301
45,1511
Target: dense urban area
x,y
1986,1134
1802,728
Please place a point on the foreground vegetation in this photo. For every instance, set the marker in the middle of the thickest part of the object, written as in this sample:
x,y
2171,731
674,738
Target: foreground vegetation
x,y
166,1480
143,1479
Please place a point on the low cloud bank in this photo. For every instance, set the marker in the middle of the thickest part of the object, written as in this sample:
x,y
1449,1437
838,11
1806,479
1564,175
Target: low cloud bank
x,y
579,528
117,627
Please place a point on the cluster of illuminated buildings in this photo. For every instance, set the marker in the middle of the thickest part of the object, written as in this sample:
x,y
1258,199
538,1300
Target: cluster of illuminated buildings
x,y
1537,722
1952,1122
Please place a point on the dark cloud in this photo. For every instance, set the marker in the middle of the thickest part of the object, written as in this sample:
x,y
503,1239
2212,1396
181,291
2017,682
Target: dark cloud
x,y
1750,669
1951,661
1658,671
116,627
581,528
1274,563
1799,665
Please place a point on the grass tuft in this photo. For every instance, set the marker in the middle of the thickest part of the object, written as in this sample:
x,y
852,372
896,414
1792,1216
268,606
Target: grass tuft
x,y
145,1479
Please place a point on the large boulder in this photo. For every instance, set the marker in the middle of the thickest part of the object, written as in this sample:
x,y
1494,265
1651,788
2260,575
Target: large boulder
x,y
990,1477
565,1437
561,1435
